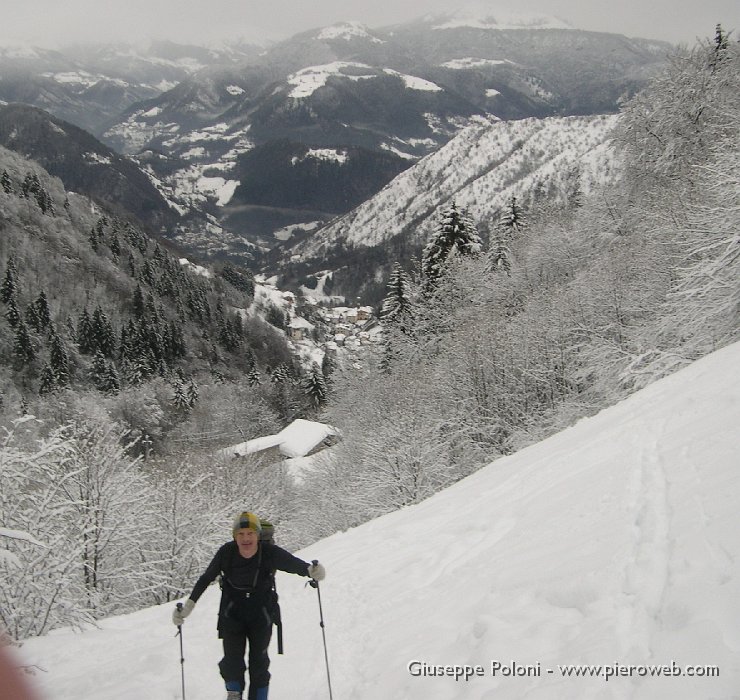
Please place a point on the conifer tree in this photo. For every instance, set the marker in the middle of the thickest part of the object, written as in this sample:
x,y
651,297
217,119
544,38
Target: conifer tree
x,y
43,313
177,340
32,319
85,335
397,316
13,313
103,334
180,399
511,223
499,256
397,306
253,376
58,359
6,182
104,375
280,374
24,352
47,381
456,234
314,387
512,220
192,393
30,186
138,302
94,240
45,202
9,287
721,44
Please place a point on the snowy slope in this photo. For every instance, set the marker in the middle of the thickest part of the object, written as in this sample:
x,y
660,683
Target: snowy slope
x,y
614,541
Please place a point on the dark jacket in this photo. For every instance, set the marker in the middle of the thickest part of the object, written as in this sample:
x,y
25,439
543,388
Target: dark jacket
x,y
247,584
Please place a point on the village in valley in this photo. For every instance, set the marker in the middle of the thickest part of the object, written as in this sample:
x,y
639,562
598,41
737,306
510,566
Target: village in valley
x,y
332,327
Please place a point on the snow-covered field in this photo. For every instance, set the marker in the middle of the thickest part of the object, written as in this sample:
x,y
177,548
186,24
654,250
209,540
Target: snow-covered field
x,y
613,543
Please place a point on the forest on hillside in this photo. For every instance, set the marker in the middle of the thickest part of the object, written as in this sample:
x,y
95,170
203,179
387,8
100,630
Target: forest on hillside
x,y
486,349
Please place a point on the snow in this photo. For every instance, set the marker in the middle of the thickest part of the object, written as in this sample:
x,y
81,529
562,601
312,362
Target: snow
x,y
234,90
328,154
220,187
347,31
306,81
195,269
612,542
97,158
295,440
302,436
414,83
19,535
283,234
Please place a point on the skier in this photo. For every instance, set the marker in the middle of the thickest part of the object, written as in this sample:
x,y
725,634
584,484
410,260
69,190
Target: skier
x,y
248,603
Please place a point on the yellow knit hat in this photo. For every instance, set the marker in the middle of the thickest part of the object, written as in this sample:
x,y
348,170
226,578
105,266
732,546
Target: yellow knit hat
x,y
246,520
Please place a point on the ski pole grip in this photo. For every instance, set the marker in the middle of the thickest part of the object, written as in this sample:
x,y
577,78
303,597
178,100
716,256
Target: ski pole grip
x,y
179,606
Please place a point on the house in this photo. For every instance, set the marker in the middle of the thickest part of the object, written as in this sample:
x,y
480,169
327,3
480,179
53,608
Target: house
x,y
299,328
299,439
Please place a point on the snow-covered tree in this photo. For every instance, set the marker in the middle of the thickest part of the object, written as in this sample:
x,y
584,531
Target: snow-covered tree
x,y
512,219
397,305
104,375
510,225
456,235
24,349
9,287
38,586
6,183
314,387
253,376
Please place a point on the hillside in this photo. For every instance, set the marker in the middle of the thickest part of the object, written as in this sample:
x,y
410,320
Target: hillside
x,y
85,165
613,542
534,160
91,302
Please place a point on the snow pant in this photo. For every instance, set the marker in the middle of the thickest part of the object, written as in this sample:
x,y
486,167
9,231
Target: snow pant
x,y
257,633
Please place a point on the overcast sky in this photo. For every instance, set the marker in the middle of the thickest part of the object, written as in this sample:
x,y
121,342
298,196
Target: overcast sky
x,y
55,22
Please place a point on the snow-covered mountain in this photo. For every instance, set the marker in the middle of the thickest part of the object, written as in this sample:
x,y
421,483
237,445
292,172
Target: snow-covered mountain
x,y
322,121
612,544
480,170
263,144
89,85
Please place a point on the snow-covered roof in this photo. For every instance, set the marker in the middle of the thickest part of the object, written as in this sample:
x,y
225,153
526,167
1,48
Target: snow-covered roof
x,y
295,440
298,322
301,436
251,446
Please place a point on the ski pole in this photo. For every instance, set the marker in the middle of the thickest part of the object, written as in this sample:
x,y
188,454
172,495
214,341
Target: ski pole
x,y
182,656
315,584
